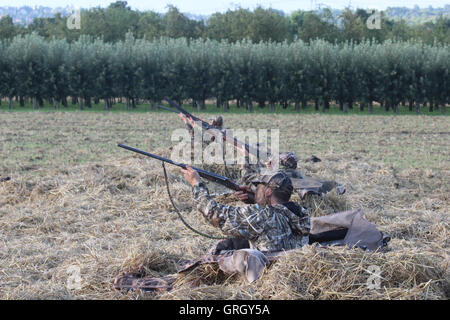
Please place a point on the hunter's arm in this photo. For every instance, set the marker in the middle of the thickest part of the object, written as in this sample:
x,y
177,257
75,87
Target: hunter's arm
x,y
242,222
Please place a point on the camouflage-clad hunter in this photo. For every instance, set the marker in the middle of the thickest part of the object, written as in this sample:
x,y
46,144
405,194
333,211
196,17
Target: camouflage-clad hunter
x,y
273,223
288,164
216,122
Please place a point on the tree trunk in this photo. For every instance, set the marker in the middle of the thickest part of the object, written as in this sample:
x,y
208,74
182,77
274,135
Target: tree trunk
x,y
198,105
202,104
417,107
345,107
225,106
261,104
304,104
41,102
11,103
370,106
127,102
316,104
22,101
105,101
443,107
74,100
430,109
387,105
88,102
272,107
56,104
250,106
152,104
411,103
297,106
324,105
238,103
35,106
218,103
341,105
133,103
350,104
96,100
80,103
362,105
395,107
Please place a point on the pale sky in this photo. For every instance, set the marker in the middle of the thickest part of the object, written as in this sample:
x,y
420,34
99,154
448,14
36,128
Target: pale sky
x,y
211,6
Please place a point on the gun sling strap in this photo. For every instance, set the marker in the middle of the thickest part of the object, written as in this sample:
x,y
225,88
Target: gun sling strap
x,y
179,213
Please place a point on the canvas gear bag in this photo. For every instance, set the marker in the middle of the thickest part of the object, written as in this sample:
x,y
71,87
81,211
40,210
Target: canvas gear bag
x,y
347,228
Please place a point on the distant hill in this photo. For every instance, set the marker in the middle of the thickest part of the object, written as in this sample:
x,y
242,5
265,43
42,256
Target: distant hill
x,y
416,15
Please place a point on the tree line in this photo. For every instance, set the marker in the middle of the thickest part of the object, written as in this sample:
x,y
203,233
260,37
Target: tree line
x,y
112,24
250,74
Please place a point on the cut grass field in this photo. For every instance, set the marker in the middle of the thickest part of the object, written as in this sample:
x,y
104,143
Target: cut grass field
x,y
75,199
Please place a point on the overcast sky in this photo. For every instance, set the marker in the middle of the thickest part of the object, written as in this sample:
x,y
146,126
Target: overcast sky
x,y
211,6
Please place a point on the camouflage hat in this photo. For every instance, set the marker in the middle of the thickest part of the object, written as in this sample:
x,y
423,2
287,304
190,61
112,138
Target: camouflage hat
x,y
277,181
288,160
216,120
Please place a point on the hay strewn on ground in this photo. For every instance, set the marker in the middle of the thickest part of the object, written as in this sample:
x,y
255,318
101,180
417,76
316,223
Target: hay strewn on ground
x,y
114,215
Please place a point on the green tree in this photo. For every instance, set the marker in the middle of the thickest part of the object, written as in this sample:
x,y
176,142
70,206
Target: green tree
x,y
7,28
268,25
150,26
177,25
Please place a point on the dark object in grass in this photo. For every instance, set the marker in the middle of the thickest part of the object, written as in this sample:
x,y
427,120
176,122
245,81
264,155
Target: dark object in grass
x,y
313,158
5,179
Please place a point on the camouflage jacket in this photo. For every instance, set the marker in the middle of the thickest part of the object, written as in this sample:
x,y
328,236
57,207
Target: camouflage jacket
x,y
267,228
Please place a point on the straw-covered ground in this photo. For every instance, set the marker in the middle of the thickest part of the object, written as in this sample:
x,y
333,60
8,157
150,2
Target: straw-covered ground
x,y
75,200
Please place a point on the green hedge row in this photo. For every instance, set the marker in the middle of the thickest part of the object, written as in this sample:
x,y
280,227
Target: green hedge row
x,y
390,73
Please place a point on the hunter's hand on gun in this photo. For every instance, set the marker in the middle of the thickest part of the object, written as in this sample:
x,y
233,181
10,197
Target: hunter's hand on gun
x,y
245,195
191,176
191,122
182,117
187,120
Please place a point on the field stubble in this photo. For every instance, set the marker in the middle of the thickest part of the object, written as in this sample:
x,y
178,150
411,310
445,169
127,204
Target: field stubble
x,y
75,199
